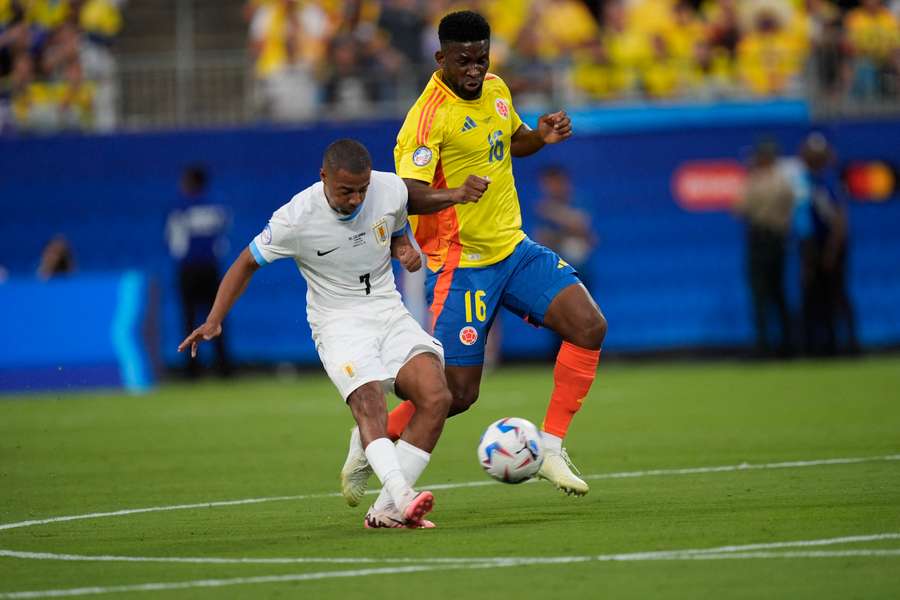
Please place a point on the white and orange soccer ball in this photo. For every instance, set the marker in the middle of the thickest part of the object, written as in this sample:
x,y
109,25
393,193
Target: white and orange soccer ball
x,y
510,450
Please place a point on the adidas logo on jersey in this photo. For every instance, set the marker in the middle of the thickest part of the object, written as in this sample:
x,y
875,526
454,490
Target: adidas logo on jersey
x,y
469,124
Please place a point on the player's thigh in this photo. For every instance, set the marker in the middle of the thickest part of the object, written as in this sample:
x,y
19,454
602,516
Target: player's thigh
x,y
351,357
402,346
464,303
575,316
539,277
421,379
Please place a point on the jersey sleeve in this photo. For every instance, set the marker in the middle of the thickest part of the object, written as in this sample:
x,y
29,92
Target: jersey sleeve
x,y
278,239
418,148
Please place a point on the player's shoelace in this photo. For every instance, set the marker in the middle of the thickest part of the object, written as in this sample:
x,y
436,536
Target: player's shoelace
x,y
565,456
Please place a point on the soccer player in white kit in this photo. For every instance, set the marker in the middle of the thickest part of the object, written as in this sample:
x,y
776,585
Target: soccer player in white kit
x,y
341,233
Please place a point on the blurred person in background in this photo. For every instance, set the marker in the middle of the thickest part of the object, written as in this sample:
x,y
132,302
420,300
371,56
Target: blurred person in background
x,y
350,88
49,70
196,235
288,39
100,22
767,207
873,37
769,57
830,68
403,25
562,225
529,78
827,308
56,259
12,27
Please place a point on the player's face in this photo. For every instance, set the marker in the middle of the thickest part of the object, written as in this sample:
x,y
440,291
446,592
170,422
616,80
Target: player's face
x,y
464,65
345,191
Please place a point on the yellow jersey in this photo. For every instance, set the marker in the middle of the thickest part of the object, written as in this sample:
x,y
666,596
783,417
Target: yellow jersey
x,y
444,140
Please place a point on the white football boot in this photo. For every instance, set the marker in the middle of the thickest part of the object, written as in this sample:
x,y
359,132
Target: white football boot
x,y
557,469
356,471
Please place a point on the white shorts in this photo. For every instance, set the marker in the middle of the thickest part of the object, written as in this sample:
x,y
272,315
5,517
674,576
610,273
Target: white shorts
x,y
360,348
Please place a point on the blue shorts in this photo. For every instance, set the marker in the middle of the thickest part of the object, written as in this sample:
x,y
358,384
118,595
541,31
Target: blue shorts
x,y
525,282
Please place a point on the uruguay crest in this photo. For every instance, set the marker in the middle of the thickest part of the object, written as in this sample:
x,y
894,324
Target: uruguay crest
x,y
380,231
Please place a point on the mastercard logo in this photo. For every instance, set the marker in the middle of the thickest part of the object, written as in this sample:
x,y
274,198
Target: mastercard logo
x,y
870,181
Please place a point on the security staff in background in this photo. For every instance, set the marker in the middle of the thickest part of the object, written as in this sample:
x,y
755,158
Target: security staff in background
x,y
196,234
767,207
828,317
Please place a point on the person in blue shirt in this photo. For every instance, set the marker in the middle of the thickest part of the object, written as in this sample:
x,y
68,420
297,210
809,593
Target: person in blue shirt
x,y
827,308
196,234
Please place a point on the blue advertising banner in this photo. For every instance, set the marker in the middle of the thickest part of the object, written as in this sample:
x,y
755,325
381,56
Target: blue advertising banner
x,y
668,269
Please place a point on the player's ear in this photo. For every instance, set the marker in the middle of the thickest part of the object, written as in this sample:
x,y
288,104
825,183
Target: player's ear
x,y
439,58
322,175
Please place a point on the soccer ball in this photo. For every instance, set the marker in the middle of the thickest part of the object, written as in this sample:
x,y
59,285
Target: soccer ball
x,y
510,450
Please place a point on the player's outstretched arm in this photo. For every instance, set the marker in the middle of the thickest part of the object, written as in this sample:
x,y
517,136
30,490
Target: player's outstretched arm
x,y
233,285
552,128
425,200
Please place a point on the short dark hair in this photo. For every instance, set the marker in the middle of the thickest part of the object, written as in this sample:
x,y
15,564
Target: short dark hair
x,y
463,26
348,155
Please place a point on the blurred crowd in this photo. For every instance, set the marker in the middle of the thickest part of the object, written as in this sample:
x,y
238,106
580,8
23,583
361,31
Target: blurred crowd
x,y
351,55
57,70
350,58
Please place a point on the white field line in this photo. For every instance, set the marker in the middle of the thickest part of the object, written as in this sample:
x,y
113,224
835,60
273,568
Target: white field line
x,y
697,554
652,555
450,486
181,585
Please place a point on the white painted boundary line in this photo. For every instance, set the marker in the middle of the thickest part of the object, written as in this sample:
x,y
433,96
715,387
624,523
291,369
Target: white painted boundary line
x,y
450,486
750,551
695,554
499,560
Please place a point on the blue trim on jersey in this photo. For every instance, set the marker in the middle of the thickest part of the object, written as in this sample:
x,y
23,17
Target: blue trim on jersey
x,y
352,215
402,231
257,255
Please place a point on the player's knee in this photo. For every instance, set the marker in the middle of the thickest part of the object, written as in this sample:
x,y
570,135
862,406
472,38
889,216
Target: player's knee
x,y
366,403
463,398
591,332
436,401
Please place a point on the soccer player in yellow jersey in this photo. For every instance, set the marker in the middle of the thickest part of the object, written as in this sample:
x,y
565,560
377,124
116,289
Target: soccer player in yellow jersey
x,y
455,154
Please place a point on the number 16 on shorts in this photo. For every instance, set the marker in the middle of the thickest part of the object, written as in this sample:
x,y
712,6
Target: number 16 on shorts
x,y
480,309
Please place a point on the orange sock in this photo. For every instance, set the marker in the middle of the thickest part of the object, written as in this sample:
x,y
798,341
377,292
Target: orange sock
x,y
572,379
399,418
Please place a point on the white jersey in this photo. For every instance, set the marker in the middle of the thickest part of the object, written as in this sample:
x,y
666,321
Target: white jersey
x,y
345,259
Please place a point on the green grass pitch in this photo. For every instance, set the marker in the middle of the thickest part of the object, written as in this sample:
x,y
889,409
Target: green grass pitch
x,y
649,535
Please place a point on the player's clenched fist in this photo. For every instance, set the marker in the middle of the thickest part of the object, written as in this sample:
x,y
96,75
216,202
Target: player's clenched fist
x,y
471,190
406,254
555,127
409,258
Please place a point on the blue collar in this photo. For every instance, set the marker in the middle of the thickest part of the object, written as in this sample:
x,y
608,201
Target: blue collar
x,y
352,215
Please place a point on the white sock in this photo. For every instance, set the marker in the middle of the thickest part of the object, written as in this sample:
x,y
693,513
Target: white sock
x,y
413,461
551,442
383,457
